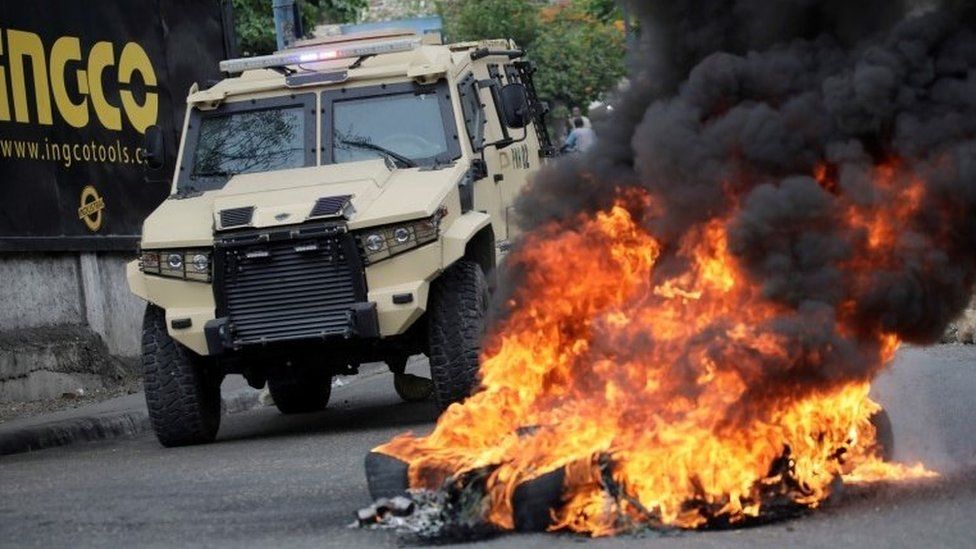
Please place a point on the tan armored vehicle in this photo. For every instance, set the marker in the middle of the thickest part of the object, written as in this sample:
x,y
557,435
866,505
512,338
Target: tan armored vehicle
x,y
337,203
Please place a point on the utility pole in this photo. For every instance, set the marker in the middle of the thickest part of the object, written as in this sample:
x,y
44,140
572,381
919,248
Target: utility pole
x,y
287,22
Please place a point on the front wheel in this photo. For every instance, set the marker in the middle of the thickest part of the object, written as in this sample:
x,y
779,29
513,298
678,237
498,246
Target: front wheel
x,y
182,394
457,309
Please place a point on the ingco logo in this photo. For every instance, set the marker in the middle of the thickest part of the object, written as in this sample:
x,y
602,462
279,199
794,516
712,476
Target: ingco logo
x,y
50,71
91,208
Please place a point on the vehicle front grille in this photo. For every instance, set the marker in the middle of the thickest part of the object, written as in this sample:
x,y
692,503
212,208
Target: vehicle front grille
x,y
288,285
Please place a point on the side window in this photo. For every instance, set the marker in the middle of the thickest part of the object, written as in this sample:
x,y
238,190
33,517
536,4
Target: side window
x,y
474,114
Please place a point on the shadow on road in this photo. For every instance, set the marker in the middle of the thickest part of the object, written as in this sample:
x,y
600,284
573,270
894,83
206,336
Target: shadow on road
x,y
355,411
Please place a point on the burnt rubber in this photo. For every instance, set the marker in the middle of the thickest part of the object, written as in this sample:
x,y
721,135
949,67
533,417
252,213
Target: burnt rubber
x,y
301,393
533,501
457,307
386,476
183,398
884,434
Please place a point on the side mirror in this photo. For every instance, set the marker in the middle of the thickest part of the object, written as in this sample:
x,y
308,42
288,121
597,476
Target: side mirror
x,y
154,148
515,106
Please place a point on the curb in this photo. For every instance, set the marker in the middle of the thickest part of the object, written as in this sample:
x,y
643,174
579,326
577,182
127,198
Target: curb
x,y
102,427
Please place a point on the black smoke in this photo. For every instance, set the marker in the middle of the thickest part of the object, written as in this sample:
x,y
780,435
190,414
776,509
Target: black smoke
x,y
733,105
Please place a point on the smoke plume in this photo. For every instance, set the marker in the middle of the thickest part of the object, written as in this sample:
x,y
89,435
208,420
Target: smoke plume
x,y
780,118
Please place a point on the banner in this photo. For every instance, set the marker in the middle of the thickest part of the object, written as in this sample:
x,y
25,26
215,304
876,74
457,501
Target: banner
x,y
79,84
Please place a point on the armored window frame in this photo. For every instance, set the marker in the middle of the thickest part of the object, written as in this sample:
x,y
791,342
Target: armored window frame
x,y
186,180
333,96
475,118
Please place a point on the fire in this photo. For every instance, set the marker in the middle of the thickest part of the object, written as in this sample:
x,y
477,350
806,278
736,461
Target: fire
x,y
659,389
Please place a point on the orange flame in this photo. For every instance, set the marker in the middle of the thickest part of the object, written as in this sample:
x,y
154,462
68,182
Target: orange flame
x,y
605,369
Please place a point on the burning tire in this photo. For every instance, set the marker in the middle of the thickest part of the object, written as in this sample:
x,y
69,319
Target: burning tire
x,y
300,393
386,476
182,396
457,307
533,501
884,434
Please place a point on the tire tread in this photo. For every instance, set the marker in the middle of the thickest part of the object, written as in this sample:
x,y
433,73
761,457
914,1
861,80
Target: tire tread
x,y
183,404
457,310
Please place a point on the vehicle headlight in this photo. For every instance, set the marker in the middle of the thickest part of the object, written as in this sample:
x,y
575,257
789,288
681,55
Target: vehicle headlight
x,y
379,243
198,266
401,235
188,264
174,262
375,243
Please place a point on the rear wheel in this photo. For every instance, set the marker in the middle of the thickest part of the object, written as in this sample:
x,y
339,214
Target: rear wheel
x,y
457,308
300,393
182,393
412,388
409,387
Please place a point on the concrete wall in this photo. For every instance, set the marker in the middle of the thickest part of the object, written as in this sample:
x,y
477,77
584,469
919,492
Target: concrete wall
x,y
39,290
111,311
66,320
88,289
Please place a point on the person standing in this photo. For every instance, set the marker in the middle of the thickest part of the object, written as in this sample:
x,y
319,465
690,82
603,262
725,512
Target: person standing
x,y
581,138
577,115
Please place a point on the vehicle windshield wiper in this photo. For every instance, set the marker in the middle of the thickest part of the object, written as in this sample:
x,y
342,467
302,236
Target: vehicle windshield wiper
x,y
395,156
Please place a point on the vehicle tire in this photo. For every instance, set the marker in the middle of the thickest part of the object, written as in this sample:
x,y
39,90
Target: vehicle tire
x,y
301,394
386,476
412,388
182,396
456,310
534,500
884,434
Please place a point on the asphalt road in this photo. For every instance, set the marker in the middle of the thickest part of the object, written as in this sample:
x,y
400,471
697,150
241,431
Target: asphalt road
x,y
272,480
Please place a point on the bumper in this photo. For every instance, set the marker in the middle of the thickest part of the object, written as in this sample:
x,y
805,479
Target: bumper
x,y
396,299
362,321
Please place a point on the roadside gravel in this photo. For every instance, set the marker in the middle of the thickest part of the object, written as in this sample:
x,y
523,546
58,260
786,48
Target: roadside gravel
x,y
67,401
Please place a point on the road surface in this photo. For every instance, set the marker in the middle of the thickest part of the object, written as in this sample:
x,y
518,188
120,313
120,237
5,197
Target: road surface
x,y
272,480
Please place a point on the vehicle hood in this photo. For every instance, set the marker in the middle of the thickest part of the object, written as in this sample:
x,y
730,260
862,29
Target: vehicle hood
x,y
378,195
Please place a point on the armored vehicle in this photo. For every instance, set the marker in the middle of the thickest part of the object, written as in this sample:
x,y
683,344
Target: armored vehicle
x,y
341,202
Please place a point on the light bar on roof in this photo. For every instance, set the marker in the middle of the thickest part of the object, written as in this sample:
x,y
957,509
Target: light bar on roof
x,y
318,54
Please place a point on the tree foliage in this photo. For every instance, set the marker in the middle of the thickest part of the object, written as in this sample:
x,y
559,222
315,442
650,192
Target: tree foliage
x,y
578,46
605,11
399,9
579,56
254,20
480,19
